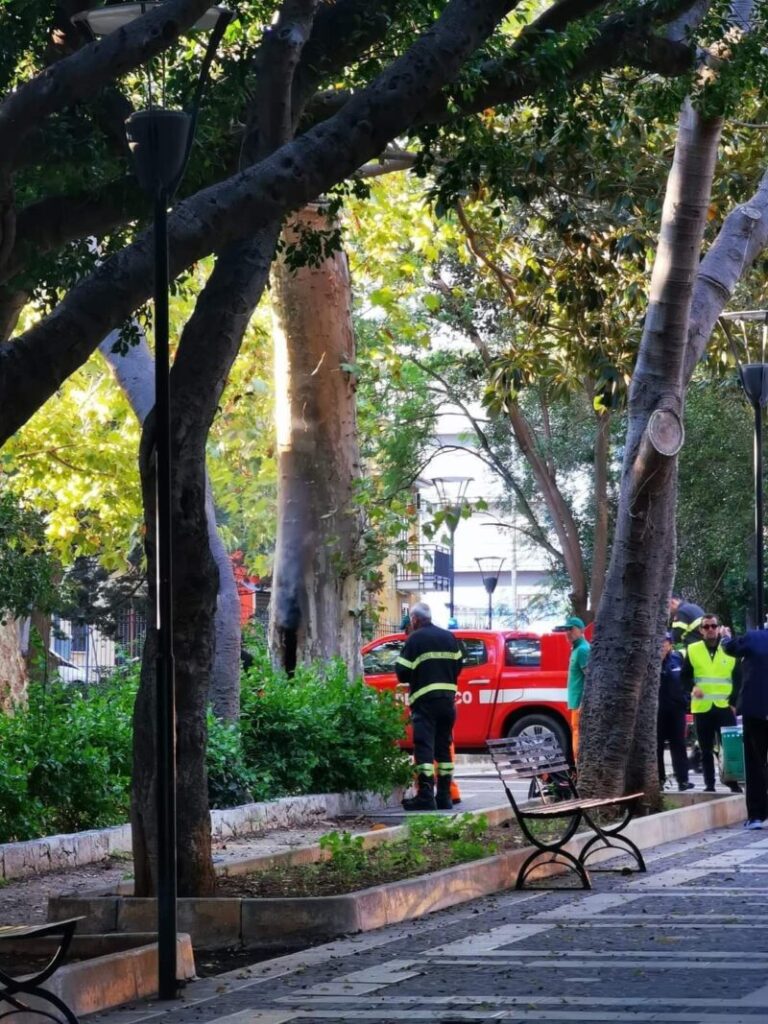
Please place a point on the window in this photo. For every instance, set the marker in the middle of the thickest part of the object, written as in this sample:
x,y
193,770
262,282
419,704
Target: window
x,y
381,659
523,652
475,653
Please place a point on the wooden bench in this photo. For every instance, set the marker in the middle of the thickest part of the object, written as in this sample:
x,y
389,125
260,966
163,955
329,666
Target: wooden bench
x,y
541,761
12,988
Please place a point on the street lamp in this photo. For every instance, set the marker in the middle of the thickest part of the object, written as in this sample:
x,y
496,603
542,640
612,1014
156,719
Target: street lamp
x,y
754,381
160,141
452,497
490,570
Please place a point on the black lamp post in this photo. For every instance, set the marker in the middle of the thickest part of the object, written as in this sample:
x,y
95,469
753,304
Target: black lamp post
x,y
161,141
490,570
754,381
452,496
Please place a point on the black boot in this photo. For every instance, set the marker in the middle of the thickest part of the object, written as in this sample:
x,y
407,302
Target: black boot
x,y
425,796
443,799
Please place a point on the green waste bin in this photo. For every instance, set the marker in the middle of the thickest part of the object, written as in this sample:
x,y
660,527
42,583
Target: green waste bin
x,y
731,754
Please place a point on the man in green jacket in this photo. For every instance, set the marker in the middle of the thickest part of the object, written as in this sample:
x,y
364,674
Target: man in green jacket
x,y
577,667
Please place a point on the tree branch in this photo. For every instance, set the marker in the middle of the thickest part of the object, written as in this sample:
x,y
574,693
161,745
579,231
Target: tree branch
x,y
33,366
739,242
621,39
56,220
77,77
482,256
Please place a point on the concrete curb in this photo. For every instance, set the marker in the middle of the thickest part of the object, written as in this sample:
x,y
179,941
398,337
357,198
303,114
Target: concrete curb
x,y
270,923
52,853
108,981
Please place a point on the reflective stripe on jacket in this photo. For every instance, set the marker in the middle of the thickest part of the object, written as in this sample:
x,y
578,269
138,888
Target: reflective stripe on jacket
x,y
685,630
430,662
712,675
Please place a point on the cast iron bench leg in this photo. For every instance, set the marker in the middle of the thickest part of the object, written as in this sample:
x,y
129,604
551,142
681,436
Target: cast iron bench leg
x,y
11,987
612,838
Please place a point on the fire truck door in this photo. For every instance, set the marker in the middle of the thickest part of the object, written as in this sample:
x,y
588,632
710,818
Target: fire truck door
x,y
478,683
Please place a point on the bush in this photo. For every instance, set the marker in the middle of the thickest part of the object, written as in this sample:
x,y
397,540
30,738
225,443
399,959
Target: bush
x,y
230,780
66,759
318,733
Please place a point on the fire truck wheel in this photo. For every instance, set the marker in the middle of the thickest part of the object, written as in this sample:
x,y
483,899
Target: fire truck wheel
x,y
537,725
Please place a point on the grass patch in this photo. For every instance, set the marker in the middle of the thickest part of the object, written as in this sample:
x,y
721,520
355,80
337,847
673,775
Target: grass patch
x,y
430,843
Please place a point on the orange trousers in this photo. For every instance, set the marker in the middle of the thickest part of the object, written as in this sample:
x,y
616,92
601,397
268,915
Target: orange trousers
x,y
575,715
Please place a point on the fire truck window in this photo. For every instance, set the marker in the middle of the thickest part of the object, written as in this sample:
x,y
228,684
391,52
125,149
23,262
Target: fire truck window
x,y
523,652
381,660
475,653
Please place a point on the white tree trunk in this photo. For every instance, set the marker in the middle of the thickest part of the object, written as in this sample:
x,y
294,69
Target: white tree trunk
x,y
135,373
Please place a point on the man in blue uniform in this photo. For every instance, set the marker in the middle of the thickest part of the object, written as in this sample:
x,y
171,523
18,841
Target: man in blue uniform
x,y
752,648
673,705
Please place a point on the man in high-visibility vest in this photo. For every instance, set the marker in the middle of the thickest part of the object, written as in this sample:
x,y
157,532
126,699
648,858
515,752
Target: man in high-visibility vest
x,y
429,664
712,676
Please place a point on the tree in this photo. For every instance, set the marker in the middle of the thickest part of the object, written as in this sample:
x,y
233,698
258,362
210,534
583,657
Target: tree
x,y
715,540
523,297
619,710
27,570
418,78
316,593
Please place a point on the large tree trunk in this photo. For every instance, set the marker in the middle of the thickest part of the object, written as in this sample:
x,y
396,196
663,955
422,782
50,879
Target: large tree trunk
x,y
134,371
316,596
195,586
618,747
210,342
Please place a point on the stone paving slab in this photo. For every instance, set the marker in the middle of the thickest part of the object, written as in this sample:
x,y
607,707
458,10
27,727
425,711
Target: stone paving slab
x,y
686,943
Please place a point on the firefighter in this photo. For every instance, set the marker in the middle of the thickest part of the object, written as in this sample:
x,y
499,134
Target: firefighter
x,y
429,665
686,619
405,627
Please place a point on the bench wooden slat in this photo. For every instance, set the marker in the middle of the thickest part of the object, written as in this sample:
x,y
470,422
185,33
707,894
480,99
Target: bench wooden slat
x,y
37,931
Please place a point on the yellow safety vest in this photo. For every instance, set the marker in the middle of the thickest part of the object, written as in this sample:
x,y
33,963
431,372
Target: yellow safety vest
x,y
712,675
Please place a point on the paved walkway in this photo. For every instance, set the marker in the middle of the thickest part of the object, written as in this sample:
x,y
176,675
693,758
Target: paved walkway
x,y
688,942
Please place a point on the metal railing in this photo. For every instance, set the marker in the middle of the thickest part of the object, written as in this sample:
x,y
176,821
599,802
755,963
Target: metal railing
x,y
426,567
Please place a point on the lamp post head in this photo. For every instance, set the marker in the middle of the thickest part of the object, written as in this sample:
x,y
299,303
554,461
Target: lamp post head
x,y
102,21
160,140
750,355
452,495
490,570
754,380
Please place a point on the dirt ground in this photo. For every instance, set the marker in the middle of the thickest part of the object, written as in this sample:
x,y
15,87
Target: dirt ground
x,y
25,901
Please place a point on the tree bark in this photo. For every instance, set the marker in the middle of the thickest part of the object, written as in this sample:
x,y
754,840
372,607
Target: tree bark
x,y
618,749
600,489
13,670
316,593
224,689
135,373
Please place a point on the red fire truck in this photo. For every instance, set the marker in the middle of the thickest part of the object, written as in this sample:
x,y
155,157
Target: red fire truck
x,y
510,683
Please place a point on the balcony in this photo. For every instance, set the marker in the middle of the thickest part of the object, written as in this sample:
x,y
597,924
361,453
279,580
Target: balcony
x,y
426,567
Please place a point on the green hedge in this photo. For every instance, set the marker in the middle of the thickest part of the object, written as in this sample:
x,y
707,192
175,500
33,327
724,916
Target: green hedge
x,y
65,759
317,733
